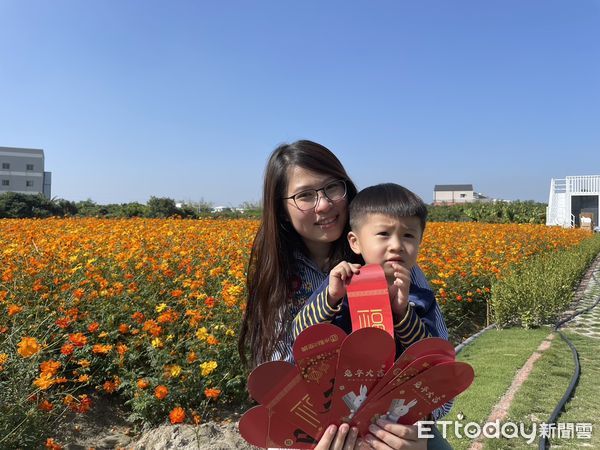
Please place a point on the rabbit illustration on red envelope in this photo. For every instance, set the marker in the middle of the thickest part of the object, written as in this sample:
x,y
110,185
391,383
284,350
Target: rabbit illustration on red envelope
x,y
350,378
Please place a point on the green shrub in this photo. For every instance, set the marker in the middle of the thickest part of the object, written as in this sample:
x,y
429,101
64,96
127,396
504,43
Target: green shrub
x,y
537,292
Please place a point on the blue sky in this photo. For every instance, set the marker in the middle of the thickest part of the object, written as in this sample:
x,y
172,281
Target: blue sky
x,y
186,99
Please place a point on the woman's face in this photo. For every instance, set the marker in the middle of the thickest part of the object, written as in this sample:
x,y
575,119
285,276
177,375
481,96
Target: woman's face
x,y
323,224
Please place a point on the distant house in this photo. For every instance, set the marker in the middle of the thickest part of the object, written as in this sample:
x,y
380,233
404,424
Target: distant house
x,y
572,199
22,171
450,194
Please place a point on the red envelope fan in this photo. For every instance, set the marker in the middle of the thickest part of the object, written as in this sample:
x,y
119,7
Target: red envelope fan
x,y
414,368
361,364
369,300
416,398
417,350
278,385
316,353
259,427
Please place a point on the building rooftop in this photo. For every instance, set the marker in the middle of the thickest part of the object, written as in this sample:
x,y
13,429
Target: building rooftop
x,y
453,187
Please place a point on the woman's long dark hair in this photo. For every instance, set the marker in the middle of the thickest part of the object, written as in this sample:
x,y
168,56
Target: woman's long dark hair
x,y
271,267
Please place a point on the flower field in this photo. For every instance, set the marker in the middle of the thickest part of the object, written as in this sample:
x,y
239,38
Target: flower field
x,y
148,309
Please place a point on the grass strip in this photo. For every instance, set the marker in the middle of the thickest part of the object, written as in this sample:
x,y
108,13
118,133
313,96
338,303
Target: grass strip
x,y
496,357
584,407
538,395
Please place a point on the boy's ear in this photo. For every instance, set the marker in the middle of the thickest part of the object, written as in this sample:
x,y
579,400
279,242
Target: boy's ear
x,y
354,243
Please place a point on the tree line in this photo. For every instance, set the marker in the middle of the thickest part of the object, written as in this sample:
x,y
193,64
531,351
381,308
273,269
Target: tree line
x,y
14,205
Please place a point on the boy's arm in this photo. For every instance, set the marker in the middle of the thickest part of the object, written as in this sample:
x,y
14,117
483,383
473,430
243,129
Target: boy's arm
x,y
411,328
316,310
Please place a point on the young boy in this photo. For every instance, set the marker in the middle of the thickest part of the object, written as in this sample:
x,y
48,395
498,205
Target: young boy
x,y
387,222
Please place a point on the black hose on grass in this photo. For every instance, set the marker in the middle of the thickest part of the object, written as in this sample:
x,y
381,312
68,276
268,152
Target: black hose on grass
x,y
470,339
544,442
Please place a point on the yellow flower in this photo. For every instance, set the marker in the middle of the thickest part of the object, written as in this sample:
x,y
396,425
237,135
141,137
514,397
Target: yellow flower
x,y
208,367
230,332
170,337
175,371
161,307
28,347
3,358
202,333
157,343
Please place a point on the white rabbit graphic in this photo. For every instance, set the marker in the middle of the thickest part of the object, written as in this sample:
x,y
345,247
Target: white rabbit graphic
x,y
354,401
399,409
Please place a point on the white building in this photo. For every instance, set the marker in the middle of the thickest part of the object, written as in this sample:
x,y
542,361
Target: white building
x,y
22,171
572,198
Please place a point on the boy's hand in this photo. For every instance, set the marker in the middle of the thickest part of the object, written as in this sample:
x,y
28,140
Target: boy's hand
x,y
339,277
399,291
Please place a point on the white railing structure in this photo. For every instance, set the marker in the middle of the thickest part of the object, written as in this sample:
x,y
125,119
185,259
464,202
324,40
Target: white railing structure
x,y
558,211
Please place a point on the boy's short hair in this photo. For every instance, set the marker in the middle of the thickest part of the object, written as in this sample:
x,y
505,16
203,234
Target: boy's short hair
x,y
389,199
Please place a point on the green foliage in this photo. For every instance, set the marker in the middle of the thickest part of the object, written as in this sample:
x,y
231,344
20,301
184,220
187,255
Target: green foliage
x,y
498,212
14,205
21,206
540,290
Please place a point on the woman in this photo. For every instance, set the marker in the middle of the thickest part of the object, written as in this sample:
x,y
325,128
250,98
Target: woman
x,y
301,237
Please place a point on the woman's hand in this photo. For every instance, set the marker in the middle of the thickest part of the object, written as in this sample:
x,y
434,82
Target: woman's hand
x,y
339,277
386,435
343,438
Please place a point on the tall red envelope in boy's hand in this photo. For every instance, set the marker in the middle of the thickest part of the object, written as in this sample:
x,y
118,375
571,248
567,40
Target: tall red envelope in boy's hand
x,y
369,300
316,354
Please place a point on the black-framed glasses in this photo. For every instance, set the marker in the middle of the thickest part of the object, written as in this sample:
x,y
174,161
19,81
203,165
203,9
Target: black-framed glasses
x,y
305,200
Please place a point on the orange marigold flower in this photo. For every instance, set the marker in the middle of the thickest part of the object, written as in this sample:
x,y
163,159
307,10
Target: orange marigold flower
x,y
142,383
78,339
176,293
123,328
67,349
52,445
83,363
161,391
192,357
211,393
28,346
122,349
177,415
138,317
46,406
93,327
50,367
78,293
63,322
109,387
101,349
211,340
14,309
209,302
83,378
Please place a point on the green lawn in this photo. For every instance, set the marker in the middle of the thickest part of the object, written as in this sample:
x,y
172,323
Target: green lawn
x,y
496,357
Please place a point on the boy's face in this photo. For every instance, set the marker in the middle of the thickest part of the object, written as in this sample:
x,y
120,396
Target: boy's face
x,y
385,240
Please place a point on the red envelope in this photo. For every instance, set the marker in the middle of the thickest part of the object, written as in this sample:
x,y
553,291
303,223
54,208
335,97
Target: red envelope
x,y
261,428
415,399
414,368
279,386
417,350
363,361
316,353
369,300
